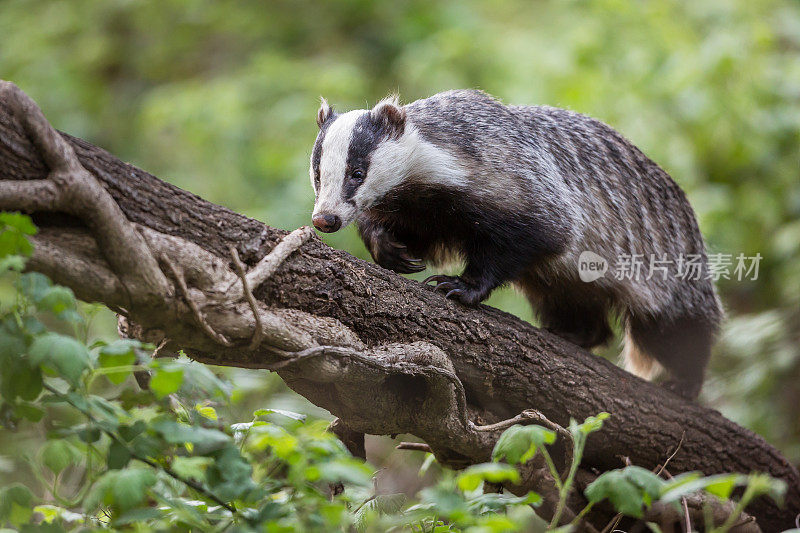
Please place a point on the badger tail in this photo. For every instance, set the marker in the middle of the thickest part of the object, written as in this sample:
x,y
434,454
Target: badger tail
x,y
681,346
637,361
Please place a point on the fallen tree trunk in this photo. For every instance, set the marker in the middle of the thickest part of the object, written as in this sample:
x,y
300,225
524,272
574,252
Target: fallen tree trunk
x,y
385,354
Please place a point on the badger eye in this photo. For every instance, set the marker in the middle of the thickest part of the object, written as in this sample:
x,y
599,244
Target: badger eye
x,y
358,175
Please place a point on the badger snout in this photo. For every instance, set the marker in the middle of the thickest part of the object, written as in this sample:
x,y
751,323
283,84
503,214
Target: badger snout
x,y
327,223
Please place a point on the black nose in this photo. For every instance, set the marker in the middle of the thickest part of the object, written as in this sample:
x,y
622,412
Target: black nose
x,y
327,223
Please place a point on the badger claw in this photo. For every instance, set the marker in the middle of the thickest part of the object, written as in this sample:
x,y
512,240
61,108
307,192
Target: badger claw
x,y
395,256
438,278
455,288
446,287
454,293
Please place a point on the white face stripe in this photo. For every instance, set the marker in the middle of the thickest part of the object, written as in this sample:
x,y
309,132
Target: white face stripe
x,y
392,163
409,157
333,164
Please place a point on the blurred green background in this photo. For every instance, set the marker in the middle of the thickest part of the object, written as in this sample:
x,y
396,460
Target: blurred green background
x,y
220,99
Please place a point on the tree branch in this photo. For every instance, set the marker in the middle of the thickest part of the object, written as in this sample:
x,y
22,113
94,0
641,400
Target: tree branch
x,y
385,354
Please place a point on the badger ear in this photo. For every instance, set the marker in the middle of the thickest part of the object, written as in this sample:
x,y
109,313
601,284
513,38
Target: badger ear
x,y
325,112
390,112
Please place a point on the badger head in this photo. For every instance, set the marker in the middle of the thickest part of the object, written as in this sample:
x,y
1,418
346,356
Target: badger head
x,y
358,157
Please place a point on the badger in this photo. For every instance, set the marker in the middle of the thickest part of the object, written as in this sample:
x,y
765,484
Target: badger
x,y
519,193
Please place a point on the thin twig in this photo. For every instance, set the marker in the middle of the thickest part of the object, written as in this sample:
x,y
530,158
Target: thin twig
x,y
677,448
268,264
414,446
528,415
258,333
365,502
193,304
751,519
533,415
291,358
657,471
687,525
611,526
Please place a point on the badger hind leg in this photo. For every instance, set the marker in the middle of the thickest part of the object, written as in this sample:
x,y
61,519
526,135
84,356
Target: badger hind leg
x,y
682,346
582,321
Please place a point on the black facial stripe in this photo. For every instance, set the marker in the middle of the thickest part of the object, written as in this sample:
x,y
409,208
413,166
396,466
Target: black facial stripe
x,y
316,155
367,135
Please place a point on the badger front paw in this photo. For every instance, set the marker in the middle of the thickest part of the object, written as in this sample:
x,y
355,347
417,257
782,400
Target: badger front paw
x,y
456,288
393,255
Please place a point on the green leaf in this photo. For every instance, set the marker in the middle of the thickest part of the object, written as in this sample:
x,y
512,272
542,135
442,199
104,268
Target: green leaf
x,y
50,513
382,504
518,444
100,493
288,414
120,353
130,486
282,443
203,440
759,484
123,489
20,380
57,455
12,340
622,494
691,482
206,411
14,229
485,503
347,470
442,500
649,483
28,411
128,432
166,381
722,486
199,379
34,285
628,489
15,263
495,523
471,478
19,222
16,504
230,474
60,301
89,434
590,425
426,464
68,357
118,456
139,516
192,467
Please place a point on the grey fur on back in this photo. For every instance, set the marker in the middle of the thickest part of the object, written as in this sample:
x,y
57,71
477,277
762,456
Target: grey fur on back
x,y
597,187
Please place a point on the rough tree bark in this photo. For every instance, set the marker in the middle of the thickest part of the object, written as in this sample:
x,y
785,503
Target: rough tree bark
x,y
385,354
